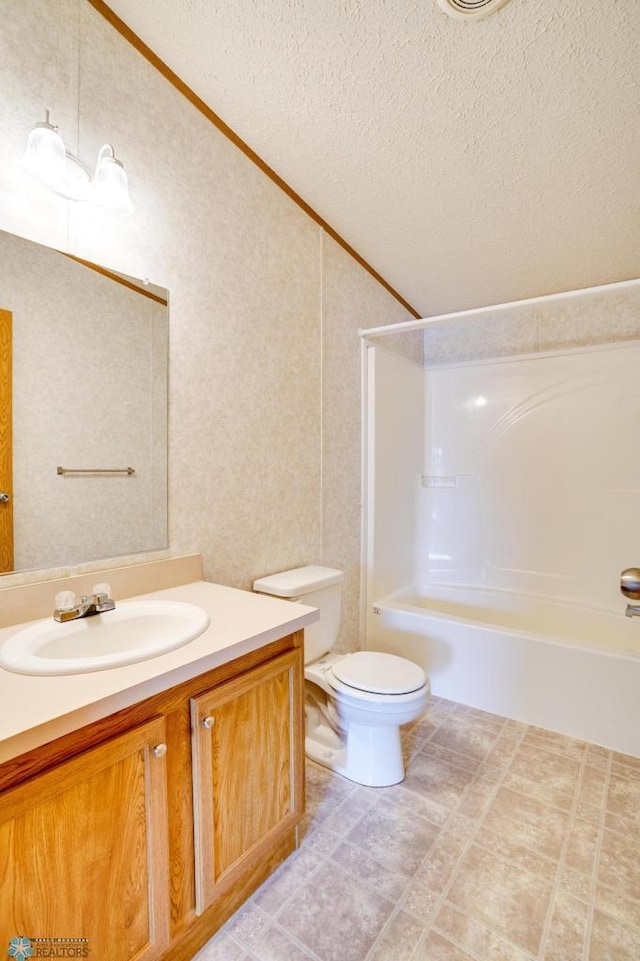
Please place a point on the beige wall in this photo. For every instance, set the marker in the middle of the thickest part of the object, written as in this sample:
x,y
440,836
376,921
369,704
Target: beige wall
x,y
599,317
343,288
264,354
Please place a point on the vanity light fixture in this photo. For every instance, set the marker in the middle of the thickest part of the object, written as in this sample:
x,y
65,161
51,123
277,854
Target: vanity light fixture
x,y
47,159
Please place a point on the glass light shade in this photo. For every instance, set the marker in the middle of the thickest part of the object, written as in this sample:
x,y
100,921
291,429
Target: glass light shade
x,y
110,185
45,155
47,159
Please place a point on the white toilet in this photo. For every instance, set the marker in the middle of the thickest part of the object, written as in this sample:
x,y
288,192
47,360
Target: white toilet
x,y
354,703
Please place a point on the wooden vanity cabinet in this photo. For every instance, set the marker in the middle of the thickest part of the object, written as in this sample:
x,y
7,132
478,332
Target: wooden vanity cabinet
x,y
146,830
247,789
84,850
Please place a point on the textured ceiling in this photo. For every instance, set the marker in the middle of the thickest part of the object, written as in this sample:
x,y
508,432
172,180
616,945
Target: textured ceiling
x,y
468,162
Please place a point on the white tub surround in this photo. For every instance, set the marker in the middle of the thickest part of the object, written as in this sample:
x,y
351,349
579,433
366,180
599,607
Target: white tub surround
x,y
536,660
508,487
35,710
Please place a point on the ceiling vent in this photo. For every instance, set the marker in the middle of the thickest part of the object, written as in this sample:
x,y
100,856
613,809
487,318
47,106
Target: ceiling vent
x,y
470,9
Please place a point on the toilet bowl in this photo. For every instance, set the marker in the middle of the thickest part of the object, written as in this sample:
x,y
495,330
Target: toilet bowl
x,y
354,703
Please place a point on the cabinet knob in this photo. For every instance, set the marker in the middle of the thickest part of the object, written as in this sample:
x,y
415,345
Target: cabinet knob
x,y
160,750
208,721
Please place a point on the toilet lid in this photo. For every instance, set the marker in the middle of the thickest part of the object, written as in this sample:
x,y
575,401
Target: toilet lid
x,y
379,673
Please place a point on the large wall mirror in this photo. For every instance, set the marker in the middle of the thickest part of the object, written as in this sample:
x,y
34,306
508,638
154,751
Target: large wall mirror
x,y
83,410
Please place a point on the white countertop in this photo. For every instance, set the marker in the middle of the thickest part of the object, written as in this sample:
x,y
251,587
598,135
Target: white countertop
x,y
35,710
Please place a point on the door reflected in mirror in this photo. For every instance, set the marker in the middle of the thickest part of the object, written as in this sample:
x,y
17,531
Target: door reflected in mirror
x,y
83,386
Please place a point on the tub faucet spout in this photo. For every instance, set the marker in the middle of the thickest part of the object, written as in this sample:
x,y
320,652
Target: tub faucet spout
x,y
633,610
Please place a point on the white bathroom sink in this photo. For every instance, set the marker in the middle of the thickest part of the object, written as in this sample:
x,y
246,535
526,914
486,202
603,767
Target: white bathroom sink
x,y
134,631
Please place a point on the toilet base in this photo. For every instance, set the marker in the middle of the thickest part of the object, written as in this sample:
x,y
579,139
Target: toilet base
x,y
367,755
364,766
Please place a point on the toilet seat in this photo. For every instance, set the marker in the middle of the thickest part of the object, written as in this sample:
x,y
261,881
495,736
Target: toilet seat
x,y
373,672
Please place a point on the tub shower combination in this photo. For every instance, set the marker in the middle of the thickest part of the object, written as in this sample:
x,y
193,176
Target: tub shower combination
x,y
503,503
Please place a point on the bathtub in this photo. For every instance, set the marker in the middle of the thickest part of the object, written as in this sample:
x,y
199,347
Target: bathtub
x,y
541,661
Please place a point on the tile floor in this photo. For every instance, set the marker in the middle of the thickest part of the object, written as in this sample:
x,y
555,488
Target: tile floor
x,y
504,843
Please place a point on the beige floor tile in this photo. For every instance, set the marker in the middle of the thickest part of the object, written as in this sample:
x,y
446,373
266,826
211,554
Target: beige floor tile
x,y
461,825
467,736
357,863
630,829
437,948
593,788
575,883
441,706
426,726
527,822
347,814
335,916
475,936
485,716
399,939
461,861
619,867
448,753
597,761
568,928
510,901
622,763
582,846
221,948
286,880
277,945
543,790
502,751
421,901
612,940
420,804
248,924
515,729
523,857
320,840
438,868
540,765
588,812
438,780
623,797
614,903
324,791
395,838
557,743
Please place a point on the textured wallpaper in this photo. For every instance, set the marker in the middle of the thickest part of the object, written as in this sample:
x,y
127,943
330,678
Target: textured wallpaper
x,y
593,317
264,367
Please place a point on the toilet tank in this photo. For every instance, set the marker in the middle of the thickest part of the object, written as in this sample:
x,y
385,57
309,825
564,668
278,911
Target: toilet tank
x,y
319,587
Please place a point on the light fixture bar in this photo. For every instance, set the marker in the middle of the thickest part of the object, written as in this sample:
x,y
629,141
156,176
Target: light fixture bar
x,y
47,159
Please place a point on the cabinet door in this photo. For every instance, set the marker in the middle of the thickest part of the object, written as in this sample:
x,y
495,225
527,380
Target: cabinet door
x,y
248,759
84,852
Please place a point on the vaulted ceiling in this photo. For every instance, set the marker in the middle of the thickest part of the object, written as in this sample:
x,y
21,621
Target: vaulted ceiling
x,y
468,162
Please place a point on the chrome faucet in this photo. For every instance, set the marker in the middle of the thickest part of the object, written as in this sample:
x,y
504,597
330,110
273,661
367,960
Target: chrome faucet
x,y
69,607
633,610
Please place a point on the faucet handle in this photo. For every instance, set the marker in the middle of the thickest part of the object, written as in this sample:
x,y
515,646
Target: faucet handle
x,y
630,583
103,591
65,601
